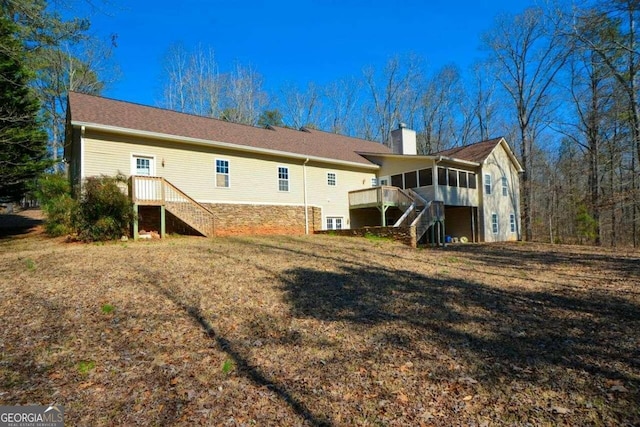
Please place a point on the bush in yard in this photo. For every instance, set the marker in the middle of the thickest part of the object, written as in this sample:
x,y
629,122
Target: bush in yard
x,y
104,211
53,191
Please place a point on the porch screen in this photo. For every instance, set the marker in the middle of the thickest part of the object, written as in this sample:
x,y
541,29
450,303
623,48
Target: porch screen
x,y
426,177
442,176
396,181
410,179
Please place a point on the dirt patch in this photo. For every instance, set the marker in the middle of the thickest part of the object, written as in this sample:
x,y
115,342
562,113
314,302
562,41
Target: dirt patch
x,y
320,330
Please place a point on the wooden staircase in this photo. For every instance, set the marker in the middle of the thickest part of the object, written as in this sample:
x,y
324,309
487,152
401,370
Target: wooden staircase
x,y
157,191
421,213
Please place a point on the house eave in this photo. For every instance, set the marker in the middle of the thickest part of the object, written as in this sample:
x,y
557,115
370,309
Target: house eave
x,y
218,144
420,157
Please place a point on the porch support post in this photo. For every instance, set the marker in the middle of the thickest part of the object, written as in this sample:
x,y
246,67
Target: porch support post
x,y
433,234
163,227
473,226
444,242
135,221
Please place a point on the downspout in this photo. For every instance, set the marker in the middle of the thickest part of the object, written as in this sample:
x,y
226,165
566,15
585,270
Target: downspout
x,y
82,166
304,187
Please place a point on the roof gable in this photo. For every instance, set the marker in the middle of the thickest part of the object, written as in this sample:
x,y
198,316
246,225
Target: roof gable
x,y
104,112
480,151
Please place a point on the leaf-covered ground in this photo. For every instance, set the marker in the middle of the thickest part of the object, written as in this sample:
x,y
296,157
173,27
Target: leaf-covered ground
x,y
320,330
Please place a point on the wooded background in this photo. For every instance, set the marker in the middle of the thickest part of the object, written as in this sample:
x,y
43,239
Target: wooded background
x,y
559,82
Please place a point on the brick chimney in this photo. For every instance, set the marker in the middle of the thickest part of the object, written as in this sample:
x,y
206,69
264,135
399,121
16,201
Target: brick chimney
x,y
403,140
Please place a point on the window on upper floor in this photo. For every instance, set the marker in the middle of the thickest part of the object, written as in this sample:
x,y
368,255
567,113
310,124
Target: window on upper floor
x,y
425,177
487,184
331,179
222,173
505,187
283,178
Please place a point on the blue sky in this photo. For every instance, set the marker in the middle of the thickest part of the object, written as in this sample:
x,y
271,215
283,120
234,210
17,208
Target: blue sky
x,y
292,41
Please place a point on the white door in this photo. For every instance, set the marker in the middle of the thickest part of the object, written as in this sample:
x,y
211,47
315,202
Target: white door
x,y
145,189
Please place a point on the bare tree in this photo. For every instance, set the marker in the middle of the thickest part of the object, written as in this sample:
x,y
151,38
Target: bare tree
x,y
302,108
528,51
341,99
438,107
394,96
617,48
243,98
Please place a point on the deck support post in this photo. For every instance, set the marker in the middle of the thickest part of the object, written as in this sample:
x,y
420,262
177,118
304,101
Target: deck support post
x,y
163,218
135,221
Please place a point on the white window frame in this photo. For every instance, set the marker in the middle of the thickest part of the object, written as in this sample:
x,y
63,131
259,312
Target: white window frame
x,y
335,179
495,224
283,180
331,222
374,181
487,184
505,186
152,166
384,182
228,173
512,222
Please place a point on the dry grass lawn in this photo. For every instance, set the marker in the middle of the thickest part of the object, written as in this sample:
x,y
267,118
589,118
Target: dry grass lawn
x,y
320,330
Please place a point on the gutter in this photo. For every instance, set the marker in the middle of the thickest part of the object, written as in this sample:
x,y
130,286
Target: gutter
x,y
227,145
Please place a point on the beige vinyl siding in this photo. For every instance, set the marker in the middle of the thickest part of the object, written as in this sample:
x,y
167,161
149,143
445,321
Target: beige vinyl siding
x,y
334,200
498,164
253,177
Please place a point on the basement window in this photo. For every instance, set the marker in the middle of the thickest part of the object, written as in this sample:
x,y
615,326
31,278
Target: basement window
x,y
512,223
494,223
334,223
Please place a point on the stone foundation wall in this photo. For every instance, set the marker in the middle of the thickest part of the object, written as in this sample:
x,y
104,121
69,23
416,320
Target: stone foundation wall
x,y
231,219
234,220
406,235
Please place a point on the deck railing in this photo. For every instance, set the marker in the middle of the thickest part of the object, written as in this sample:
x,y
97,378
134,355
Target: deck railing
x,y
378,196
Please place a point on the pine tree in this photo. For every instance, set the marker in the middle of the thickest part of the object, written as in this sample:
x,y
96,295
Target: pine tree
x,y
23,142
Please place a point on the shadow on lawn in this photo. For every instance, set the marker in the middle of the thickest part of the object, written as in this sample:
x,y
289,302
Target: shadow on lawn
x,y
595,332
243,365
624,267
15,225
